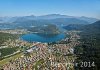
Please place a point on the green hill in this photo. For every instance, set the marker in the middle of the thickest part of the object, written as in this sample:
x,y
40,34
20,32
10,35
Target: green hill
x,y
45,30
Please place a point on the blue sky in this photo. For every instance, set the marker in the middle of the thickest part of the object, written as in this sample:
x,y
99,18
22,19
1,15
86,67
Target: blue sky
x,y
90,8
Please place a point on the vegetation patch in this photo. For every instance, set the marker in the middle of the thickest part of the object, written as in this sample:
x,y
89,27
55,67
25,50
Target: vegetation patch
x,y
7,51
6,36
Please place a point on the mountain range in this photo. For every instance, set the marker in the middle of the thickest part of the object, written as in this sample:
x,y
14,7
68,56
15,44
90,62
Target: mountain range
x,y
56,19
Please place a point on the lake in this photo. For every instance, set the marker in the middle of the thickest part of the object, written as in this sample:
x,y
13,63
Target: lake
x,y
41,38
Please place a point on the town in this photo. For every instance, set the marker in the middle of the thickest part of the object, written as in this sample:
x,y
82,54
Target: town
x,y
40,56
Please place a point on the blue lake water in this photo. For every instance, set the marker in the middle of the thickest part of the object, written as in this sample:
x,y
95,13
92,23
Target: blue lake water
x,y
43,39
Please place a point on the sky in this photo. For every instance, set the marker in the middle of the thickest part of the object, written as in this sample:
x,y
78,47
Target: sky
x,y
89,8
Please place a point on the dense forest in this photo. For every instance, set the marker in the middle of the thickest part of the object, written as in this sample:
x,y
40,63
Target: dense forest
x,y
89,49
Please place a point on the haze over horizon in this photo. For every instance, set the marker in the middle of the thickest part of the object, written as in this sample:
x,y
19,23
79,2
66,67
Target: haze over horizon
x,y
88,8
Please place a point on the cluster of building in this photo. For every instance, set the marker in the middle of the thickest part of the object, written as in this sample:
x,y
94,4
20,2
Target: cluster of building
x,y
54,56
28,59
